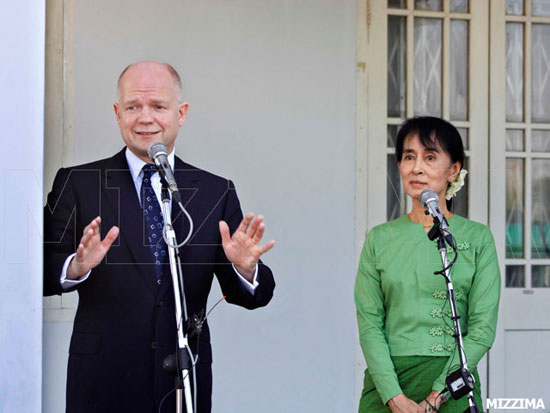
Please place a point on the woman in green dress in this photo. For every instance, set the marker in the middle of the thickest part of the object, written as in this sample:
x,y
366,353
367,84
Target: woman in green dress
x,y
403,313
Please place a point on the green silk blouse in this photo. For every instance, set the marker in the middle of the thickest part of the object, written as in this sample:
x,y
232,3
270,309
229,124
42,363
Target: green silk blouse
x,y
402,307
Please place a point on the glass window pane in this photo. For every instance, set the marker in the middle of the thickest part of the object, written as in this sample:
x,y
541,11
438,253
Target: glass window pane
x,y
540,141
514,72
460,6
392,135
427,67
514,7
514,207
515,276
540,276
459,70
397,65
540,72
540,212
459,204
427,4
397,4
514,140
540,8
465,139
395,197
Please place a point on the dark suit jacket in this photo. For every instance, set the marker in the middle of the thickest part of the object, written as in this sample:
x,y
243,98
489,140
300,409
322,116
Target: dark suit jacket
x,y
125,323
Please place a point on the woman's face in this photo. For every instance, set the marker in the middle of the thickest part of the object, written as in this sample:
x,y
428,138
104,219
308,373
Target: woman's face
x,y
426,168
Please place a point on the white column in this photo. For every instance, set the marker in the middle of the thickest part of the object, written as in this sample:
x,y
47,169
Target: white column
x,y
22,112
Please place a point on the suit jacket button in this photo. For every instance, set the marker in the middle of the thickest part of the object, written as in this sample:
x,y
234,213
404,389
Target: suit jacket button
x,y
160,303
154,345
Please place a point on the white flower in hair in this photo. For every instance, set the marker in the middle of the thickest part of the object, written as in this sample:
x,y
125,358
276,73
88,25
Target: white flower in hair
x,y
455,186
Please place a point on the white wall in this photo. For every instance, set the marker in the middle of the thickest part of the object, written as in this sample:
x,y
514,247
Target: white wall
x,y
271,86
21,111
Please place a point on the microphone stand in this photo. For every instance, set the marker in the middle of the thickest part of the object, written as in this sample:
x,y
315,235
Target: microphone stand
x,y
183,360
460,382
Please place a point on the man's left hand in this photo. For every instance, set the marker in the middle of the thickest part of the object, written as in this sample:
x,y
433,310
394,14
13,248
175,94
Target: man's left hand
x,y
242,248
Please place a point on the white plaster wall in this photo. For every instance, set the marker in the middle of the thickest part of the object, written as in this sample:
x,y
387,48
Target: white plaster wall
x,y
22,115
271,86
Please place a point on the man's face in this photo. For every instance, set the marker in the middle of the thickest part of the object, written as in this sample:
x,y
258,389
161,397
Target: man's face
x,y
149,110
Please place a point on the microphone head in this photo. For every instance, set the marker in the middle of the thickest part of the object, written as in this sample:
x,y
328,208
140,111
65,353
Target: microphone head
x,y
156,149
427,195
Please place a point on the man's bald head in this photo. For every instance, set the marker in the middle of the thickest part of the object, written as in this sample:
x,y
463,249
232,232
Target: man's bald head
x,y
178,86
149,108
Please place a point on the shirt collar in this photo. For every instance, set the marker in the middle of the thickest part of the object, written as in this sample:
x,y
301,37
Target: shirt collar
x,y
136,164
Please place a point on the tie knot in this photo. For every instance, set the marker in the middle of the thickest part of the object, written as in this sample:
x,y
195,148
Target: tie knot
x,y
148,170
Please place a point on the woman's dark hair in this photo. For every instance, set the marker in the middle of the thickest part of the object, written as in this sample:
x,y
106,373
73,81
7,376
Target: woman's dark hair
x,y
432,131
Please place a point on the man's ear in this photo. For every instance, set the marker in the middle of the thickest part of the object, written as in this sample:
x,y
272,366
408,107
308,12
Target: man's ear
x,y
182,112
116,109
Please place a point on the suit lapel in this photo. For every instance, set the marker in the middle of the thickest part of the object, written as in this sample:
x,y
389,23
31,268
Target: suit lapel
x,y
122,197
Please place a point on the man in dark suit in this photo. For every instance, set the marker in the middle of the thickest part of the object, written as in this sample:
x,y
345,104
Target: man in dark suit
x,y
125,323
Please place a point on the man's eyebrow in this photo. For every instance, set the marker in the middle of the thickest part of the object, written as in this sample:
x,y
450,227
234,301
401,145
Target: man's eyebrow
x,y
136,101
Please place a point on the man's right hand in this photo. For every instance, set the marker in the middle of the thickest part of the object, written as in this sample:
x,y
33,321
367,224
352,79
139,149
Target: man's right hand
x,y
402,404
91,249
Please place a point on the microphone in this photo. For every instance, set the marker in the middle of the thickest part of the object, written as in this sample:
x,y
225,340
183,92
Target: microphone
x,y
158,153
430,201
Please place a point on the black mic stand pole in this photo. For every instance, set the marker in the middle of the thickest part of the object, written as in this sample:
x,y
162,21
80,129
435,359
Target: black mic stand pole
x,y
461,381
182,353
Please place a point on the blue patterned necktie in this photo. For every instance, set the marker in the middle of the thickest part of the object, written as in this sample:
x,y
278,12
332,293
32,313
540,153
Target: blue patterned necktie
x,y
152,221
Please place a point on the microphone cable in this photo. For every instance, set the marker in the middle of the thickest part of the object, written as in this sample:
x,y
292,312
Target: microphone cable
x,y
189,233
194,361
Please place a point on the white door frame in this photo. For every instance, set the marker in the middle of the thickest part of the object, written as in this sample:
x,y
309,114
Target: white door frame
x,y
519,307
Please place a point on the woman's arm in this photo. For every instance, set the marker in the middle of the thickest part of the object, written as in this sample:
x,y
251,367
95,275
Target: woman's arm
x,y
369,300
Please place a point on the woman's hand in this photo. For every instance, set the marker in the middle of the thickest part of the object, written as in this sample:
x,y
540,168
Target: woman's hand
x,y
402,404
435,400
